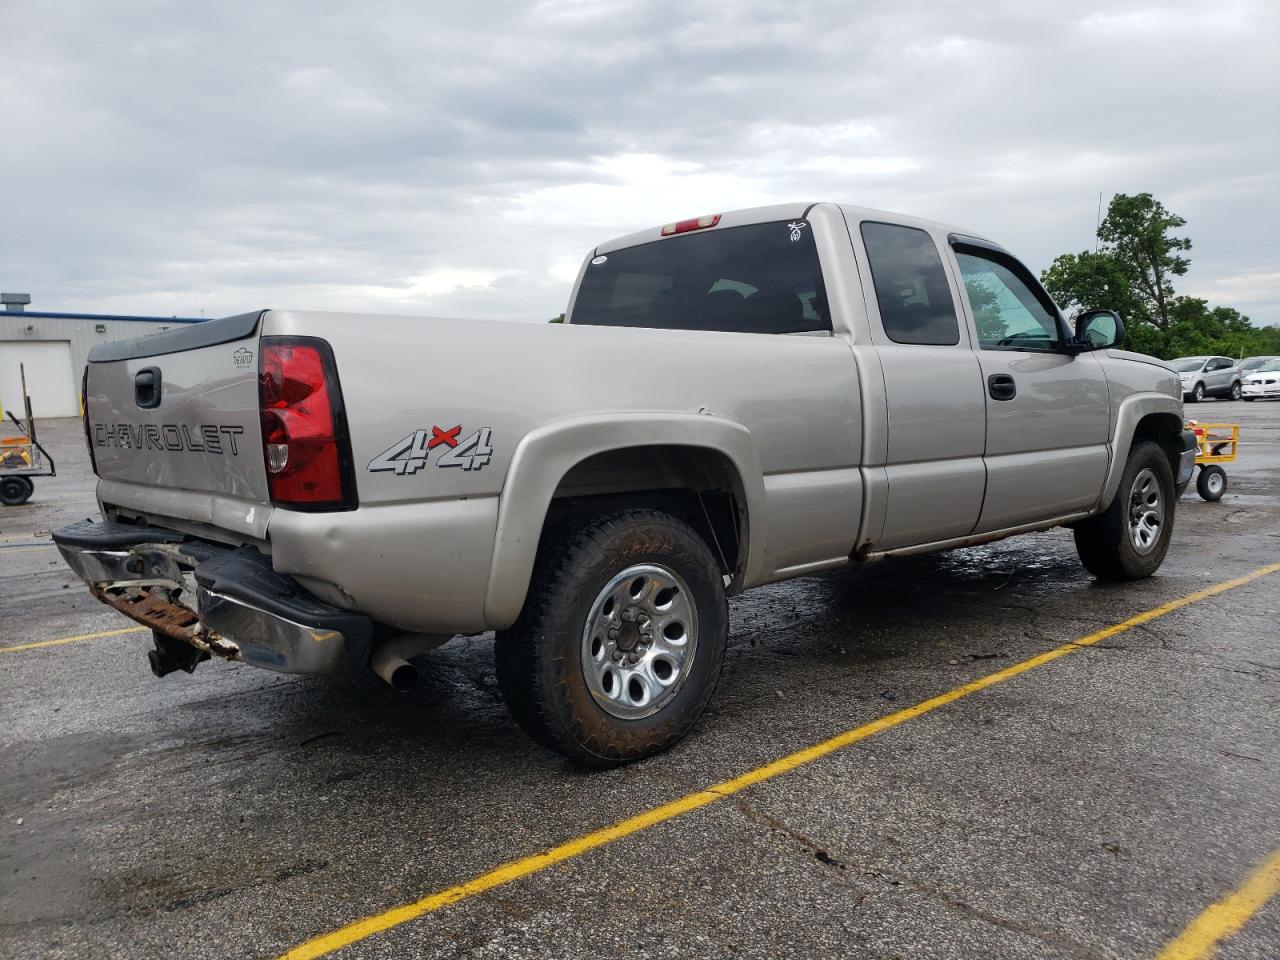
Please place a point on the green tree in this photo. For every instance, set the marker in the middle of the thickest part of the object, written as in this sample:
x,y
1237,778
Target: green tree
x,y
1081,281
1132,273
1137,235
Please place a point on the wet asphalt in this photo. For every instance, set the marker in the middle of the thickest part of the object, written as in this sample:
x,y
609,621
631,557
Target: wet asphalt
x,y
1091,807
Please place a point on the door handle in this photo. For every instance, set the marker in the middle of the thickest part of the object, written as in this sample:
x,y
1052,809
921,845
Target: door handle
x,y
146,388
1001,386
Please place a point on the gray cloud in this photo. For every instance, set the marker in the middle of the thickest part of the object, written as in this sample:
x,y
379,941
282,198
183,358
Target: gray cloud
x,y
460,160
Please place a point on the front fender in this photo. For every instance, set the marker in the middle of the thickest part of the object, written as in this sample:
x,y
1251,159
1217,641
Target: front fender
x,y
543,458
1130,413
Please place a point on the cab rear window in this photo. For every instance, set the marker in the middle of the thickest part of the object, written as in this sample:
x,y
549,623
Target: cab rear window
x,y
762,278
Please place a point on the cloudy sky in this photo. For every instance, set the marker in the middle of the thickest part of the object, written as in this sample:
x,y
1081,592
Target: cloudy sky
x,y
459,159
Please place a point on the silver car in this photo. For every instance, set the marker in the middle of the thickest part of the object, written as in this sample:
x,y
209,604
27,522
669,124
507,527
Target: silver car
x,y
1208,377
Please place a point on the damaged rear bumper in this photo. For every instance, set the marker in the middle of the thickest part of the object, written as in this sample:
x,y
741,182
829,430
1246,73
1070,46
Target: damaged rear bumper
x,y
243,609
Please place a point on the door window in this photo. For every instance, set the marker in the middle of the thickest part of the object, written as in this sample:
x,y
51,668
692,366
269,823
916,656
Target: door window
x,y
1007,311
915,300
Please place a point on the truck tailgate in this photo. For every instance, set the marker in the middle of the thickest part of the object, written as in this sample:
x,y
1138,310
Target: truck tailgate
x,y
179,410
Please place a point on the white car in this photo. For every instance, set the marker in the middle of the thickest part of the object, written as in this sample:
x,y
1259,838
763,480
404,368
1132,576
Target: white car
x,y
1262,382
1250,364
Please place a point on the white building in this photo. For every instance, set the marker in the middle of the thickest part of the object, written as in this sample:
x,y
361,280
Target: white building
x,y
52,349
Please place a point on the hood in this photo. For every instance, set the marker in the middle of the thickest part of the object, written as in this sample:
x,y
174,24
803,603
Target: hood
x,y
1140,358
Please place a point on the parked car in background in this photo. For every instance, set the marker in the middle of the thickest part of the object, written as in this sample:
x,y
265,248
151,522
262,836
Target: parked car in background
x,y
1249,364
1264,381
1208,377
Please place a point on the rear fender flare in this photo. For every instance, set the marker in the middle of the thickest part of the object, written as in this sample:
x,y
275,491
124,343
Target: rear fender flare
x,y
543,458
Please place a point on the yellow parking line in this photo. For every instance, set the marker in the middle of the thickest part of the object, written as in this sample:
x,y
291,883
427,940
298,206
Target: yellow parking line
x,y
18,648
360,929
1228,915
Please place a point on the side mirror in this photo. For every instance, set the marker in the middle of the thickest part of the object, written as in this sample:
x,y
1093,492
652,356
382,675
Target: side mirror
x,y
1099,329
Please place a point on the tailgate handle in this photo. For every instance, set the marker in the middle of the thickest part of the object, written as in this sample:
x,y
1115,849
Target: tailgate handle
x,y
146,388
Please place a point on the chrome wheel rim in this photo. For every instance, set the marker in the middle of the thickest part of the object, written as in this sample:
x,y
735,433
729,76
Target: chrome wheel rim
x,y
1146,511
639,641
1214,483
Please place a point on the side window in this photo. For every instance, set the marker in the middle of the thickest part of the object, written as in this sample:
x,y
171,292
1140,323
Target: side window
x,y
915,301
1218,364
1008,313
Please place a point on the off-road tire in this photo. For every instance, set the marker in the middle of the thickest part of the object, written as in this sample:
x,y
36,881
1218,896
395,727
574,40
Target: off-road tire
x,y
538,658
1212,483
15,490
1103,542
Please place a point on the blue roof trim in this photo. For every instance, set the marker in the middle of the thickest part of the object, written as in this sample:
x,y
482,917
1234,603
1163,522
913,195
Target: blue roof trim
x,y
4,314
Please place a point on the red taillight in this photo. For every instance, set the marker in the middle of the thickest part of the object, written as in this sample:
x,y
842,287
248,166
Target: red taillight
x,y
684,226
84,418
304,441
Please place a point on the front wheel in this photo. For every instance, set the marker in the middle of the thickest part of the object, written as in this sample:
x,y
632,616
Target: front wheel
x,y
1198,393
619,645
1129,539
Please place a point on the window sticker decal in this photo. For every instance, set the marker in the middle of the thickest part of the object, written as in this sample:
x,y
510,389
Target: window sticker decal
x,y
796,227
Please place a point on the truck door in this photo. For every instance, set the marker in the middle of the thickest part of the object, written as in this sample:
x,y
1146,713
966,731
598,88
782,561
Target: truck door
x,y
936,417
1048,413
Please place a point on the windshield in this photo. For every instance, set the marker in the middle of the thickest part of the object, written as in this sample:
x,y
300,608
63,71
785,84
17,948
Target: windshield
x,y
1188,366
762,278
1254,362
1270,366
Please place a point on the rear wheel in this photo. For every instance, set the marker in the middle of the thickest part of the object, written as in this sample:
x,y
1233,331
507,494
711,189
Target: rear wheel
x,y
620,642
1129,539
1235,390
15,490
1212,482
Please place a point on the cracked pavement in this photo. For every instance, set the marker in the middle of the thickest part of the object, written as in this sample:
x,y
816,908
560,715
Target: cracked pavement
x,y
1089,808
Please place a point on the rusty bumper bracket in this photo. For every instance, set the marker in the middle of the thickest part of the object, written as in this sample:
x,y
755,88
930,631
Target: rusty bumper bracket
x,y
167,618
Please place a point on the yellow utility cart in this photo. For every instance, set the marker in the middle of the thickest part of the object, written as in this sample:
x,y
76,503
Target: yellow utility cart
x,y
1218,443
21,457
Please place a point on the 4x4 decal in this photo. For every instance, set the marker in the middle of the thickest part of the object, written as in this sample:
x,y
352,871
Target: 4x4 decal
x,y
409,455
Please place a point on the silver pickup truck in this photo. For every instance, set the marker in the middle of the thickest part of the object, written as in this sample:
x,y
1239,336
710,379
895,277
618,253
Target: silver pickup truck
x,y
732,400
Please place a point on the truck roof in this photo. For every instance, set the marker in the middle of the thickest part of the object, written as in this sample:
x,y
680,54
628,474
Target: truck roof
x,y
788,211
